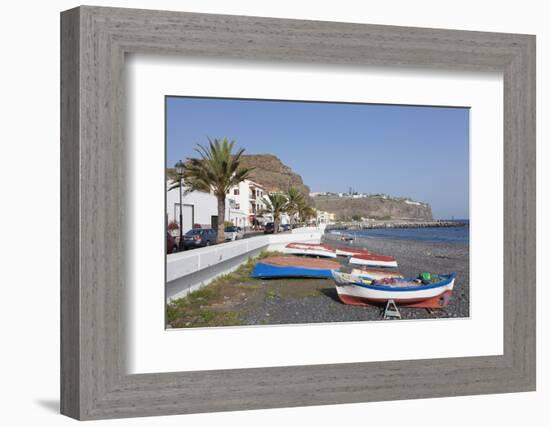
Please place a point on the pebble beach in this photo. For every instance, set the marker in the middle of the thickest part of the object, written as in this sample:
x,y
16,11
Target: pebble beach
x,y
413,257
417,256
240,300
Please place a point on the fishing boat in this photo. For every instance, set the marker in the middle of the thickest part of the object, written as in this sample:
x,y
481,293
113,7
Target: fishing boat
x,y
375,273
311,249
354,290
282,266
351,252
373,260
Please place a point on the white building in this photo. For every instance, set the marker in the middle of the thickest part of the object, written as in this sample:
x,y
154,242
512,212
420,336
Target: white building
x,y
242,204
198,208
234,212
247,201
325,217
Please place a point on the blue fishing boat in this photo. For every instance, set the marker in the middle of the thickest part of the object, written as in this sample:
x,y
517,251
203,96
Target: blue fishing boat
x,y
281,267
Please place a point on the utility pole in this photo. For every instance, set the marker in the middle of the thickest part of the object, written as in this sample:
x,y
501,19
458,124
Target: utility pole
x,y
179,170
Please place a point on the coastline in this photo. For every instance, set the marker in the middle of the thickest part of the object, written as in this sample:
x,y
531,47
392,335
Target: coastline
x,y
416,256
376,224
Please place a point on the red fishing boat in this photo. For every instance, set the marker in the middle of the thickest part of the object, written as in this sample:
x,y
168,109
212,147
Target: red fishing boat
x,y
351,251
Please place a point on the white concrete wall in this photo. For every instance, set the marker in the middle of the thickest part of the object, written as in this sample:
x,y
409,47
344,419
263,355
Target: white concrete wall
x,y
191,270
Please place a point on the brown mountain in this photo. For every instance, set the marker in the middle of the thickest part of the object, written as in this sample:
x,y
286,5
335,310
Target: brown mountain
x,y
375,207
270,172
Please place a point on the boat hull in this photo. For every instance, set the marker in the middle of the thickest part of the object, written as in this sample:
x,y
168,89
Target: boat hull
x,y
351,252
438,301
281,267
266,271
373,261
310,250
435,295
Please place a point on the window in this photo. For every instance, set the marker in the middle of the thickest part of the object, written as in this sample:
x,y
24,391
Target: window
x,y
236,192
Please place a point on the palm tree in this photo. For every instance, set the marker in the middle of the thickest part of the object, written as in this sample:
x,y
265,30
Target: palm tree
x,y
217,170
276,204
305,212
309,212
295,200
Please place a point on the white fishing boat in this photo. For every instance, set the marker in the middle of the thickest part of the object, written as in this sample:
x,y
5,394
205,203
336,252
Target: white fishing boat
x,y
310,249
373,260
354,290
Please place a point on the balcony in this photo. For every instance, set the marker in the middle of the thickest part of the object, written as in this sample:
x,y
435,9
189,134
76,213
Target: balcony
x,y
255,194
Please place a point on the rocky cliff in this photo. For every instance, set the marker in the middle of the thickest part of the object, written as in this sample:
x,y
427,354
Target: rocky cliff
x,y
375,207
273,174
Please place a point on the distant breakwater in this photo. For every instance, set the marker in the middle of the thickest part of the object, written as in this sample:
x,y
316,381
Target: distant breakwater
x,y
393,224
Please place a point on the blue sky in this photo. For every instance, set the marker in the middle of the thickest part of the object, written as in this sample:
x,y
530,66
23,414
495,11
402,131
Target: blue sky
x,y
407,151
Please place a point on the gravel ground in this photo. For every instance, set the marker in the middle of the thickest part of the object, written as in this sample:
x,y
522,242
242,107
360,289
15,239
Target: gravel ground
x,y
323,304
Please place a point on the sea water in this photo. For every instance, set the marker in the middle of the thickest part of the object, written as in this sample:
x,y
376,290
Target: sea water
x,y
459,234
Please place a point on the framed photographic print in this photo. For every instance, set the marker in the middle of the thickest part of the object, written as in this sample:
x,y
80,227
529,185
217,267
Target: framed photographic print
x,y
347,234
276,213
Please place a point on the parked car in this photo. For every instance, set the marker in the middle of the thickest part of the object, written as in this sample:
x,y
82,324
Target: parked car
x,y
269,228
233,233
171,246
199,237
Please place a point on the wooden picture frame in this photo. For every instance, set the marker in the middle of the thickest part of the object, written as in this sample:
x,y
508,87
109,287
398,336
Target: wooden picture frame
x,y
94,382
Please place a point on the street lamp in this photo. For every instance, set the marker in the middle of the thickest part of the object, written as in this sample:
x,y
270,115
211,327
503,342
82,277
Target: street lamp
x,y
179,170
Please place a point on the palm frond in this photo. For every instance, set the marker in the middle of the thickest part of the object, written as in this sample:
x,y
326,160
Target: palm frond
x,y
276,202
216,169
173,185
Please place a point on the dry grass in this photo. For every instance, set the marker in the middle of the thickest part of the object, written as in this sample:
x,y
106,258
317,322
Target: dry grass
x,y
214,305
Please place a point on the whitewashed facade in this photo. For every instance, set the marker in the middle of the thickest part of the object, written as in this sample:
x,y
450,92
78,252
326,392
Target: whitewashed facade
x,y
246,201
242,205
198,208
325,217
